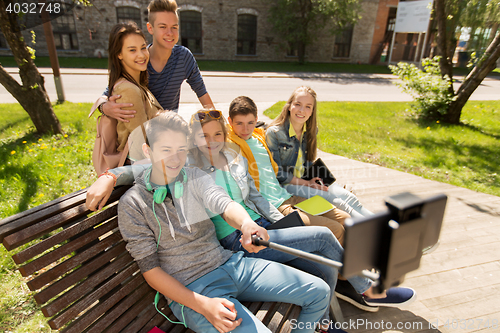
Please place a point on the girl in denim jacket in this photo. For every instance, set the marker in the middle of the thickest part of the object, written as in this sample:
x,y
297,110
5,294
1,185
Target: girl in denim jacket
x,y
292,140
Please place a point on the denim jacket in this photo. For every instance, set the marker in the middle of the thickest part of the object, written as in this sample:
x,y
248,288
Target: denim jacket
x,y
285,150
238,166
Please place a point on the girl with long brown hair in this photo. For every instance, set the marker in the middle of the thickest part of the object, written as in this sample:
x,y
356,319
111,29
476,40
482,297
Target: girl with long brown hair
x,y
128,77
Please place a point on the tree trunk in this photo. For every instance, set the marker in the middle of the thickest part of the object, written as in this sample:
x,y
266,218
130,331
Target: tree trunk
x,y
445,63
486,64
31,94
301,52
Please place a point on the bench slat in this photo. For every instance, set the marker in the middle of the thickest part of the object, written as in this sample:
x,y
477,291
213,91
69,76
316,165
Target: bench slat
x,y
132,312
89,301
60,237
264,313
79,274
36,214
149,318
120,308
254,306
82,289
74,245
34,231
287,325
73,262
111,299
279,317
168,326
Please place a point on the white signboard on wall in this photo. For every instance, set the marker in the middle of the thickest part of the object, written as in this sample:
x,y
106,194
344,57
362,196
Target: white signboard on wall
x,y
413,16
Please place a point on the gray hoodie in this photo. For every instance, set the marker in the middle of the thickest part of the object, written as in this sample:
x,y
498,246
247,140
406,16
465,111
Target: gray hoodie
x,y
188,246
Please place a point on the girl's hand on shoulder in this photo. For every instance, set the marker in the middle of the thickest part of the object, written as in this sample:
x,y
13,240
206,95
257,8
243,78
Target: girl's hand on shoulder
x,y
99,192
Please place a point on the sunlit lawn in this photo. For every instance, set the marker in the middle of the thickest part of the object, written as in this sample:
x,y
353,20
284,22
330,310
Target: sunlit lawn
x,y
381,133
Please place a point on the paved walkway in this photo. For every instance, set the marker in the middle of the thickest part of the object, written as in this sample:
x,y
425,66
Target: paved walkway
x,y
458,284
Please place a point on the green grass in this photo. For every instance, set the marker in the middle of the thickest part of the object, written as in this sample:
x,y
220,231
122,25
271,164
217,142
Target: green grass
x,y
36,169
64,62
464,155
33,170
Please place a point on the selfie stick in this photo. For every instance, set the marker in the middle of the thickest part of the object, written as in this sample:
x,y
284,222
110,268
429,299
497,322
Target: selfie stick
x,y
256,240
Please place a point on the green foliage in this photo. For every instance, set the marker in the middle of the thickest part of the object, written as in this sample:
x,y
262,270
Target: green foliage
x,y
298,22
463,155
480,16
429,89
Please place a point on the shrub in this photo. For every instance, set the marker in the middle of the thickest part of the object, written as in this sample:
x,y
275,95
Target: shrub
x,y
428,87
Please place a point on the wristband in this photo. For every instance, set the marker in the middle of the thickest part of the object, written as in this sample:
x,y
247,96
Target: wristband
x,y
107,173
100,108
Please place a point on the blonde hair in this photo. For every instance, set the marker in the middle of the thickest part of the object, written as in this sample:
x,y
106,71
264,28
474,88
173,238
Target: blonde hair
x,y
195,126
156,6
311,124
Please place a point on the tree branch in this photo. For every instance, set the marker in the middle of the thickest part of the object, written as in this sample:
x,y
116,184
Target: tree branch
x,y
486,64
12,86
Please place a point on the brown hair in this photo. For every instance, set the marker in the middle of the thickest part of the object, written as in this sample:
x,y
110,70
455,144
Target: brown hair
x,y
195,126
156,6
242,105
115,65
311,124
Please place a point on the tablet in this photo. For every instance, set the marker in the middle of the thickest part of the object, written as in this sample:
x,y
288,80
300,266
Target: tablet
x,y
291,220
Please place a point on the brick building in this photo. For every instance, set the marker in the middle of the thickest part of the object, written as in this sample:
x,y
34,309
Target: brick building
x,y
226,30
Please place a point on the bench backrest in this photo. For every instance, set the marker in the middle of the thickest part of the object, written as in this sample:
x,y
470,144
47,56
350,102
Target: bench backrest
x,y
85,279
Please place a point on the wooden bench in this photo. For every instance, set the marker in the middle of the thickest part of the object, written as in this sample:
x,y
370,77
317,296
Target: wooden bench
x,y
84,278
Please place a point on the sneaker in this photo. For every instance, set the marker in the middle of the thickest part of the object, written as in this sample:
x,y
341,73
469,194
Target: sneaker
x,y
345,291
396,297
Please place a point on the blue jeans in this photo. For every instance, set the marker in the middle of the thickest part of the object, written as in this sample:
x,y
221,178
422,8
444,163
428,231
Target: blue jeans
x,y
249,279
336,194
319,240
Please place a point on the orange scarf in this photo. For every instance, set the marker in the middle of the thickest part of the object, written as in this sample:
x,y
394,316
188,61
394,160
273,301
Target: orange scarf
x,y
259,134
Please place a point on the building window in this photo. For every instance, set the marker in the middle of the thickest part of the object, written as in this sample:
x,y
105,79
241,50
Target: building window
x,y
125,14
190,23
342,47
247,34
65,31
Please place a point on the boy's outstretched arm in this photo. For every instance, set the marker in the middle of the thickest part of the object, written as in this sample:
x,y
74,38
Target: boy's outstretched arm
x,y
236,216
220,312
